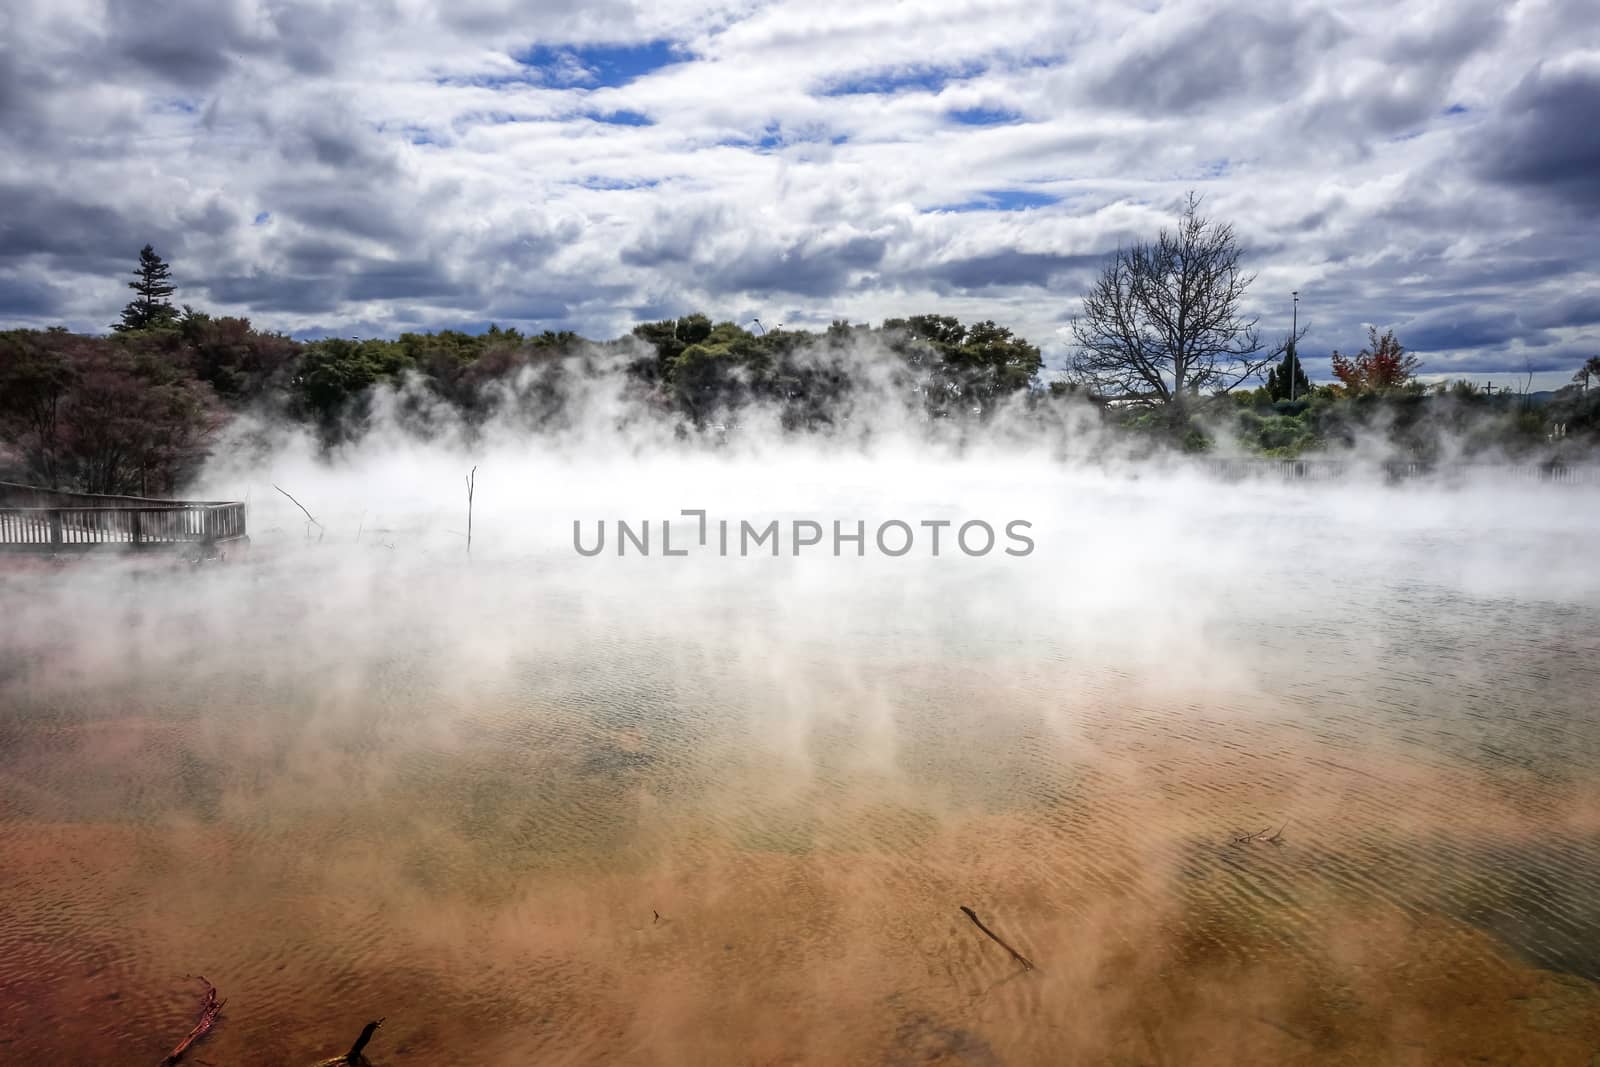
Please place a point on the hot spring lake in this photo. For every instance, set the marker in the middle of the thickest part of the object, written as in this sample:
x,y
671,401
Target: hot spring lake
x,y
538,809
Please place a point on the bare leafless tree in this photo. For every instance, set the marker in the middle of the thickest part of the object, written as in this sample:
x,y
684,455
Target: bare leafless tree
x,y
1163,321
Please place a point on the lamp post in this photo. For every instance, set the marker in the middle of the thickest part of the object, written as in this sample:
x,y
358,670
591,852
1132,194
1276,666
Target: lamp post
x,y
1294,349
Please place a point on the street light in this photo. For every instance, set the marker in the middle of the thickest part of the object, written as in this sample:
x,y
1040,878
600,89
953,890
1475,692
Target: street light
x,y
1294,332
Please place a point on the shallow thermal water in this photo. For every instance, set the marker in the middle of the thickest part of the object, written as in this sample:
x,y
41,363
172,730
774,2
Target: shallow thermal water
x,y
538,809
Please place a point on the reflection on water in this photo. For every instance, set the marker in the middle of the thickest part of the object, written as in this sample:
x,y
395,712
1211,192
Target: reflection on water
x,y
532,817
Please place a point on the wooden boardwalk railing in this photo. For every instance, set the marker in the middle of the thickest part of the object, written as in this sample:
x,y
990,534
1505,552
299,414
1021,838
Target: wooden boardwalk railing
x,y
175,525
1336,470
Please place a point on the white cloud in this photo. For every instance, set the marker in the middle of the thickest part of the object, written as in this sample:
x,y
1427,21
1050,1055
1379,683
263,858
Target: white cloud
x,y
794,161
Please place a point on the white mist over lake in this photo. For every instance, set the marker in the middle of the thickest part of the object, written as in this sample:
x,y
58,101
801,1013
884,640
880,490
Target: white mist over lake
x,y
556,809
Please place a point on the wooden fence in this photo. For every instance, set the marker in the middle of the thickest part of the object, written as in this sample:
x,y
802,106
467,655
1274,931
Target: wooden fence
x,y
1337,470
146,526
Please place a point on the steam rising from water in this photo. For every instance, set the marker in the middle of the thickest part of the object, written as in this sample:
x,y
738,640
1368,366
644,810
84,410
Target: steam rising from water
x,y
368,776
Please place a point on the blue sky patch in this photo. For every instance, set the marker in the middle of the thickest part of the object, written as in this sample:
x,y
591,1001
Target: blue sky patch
x,y
1002,200
600,66
901,80
621,118
774,136
611,185
261,219
984,116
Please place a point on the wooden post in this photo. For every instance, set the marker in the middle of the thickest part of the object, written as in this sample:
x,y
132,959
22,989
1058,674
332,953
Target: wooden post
x,y
55,528
135,527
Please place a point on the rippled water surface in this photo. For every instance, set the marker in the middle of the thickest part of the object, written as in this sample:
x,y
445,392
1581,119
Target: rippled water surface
x,y
538,809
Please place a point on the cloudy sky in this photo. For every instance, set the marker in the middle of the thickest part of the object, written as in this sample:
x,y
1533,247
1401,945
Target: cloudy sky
x,y
364,168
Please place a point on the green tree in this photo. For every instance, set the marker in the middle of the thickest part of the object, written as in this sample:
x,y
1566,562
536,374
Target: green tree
x,y
1589,370
716,370
669,338
153,282
994,361
333,379
242,364
974,365
1288,379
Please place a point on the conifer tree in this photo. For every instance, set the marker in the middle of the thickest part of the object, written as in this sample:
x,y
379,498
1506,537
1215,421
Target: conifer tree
x,y
1288,370
153,282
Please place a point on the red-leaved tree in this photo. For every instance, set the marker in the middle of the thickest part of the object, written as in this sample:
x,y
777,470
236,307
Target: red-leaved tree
x,y
1381,366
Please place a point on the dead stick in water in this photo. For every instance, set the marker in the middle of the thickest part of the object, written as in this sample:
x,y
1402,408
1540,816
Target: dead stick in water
x,y
1027,964
472,483
210,1008
354,1056
302,507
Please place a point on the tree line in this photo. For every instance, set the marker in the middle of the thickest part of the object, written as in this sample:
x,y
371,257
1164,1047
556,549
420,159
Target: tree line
x,y
1164,356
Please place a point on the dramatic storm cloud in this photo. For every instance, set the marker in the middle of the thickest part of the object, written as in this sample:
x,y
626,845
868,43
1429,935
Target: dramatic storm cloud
x,y
372,167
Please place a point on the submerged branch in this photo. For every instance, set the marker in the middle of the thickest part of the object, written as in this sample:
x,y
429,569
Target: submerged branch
x,y
1261,835
1027,964
210,1008
354,1056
